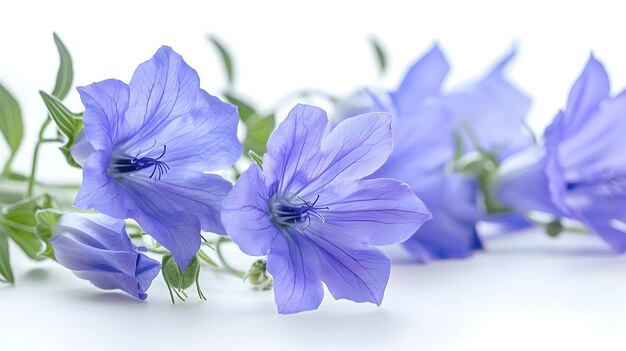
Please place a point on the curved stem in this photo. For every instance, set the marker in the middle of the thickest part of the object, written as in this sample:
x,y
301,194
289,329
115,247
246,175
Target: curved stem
x,y
230,269
33,169
563,228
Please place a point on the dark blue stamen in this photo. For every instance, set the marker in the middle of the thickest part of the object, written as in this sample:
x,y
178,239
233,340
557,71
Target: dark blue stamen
x,y
286,214
132,164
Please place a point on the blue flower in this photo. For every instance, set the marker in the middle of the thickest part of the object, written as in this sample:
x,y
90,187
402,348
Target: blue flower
x,y
153,141
313,215
96,248
487,114
580,171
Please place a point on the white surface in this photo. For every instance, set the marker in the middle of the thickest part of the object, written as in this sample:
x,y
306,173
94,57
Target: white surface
x,y
528,292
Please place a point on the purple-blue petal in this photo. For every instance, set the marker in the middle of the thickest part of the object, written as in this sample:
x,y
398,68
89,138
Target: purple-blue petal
x,y
178,232
601,208
522,183
374,212
106,104
355,148
589,90
451,233
99,191
293,144
297,287
82,148
422,143
350,270
161,89
421,82
494,109
246,216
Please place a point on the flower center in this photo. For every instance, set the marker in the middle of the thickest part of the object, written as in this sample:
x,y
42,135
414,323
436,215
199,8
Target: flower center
x,y
285,213
127,164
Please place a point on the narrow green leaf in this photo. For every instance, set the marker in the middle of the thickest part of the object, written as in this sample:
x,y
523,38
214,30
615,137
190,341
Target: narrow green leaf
x,y
46,220
245,109
381,57
68,123
11,124
226,59
66,72
5,265
259,130
19,222
256,158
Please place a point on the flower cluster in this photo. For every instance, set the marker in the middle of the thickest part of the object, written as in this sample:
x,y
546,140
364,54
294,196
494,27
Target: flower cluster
x,y
420,165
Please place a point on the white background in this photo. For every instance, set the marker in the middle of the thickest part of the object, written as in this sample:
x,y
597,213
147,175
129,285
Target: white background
x,y
526,293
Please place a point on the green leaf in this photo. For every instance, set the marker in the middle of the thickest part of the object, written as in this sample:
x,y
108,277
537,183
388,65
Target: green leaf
x,y
381,57
226,59
11,124
46,220
259,130
256,158
66,74
5,265
68,123
245,110
175,277
19,222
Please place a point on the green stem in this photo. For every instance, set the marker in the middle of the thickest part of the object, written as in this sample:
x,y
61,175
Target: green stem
x,y
158,251
7,166
230,269
203,256
563,228
52,140
33,169
484,183
237,173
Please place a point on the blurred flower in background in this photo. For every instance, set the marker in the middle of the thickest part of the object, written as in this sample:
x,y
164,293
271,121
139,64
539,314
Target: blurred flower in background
x,y
446,146
580,170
